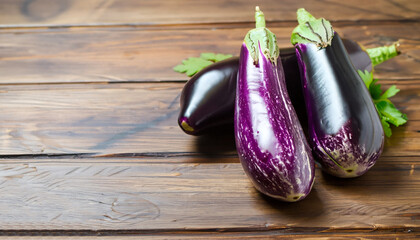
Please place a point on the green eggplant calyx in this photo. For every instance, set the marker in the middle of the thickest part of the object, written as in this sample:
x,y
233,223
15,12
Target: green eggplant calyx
x,y
381,54
261,37
312,30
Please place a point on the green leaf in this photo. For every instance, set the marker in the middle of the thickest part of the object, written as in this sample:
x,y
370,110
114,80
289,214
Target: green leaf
x,y
390,113
215,57
312,30
375,89
390,92
386,127
192,65
366,76
180,68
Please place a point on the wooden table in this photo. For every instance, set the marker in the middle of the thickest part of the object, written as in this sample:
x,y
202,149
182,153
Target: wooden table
x,y
89,143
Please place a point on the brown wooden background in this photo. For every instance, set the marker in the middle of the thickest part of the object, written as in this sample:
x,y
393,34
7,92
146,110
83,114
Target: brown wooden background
x,y
89,143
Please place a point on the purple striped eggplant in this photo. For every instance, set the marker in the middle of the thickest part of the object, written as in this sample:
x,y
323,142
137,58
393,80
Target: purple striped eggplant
x,y
345,131
269,138
208,98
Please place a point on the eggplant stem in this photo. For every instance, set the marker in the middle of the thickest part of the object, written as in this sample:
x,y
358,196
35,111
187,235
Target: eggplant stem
x,y
261,38
379,55
259,18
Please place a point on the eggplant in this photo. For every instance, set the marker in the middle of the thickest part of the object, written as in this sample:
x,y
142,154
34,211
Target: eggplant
x,y
345,131
269,139
208,98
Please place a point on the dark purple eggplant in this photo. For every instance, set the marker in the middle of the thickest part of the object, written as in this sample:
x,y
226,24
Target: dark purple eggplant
x,y
269,138
208,98
345,131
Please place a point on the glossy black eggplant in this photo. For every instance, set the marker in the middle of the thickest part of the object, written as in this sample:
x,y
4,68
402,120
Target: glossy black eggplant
x,y
345,131
207,99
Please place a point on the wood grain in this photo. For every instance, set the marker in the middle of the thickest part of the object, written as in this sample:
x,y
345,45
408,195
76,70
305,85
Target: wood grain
x,y
136,54
90,147
100,12
129,235
165,196
133,119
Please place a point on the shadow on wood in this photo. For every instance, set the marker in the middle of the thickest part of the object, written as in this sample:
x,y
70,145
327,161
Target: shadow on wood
x,y
220,140
311,207
393,142
377,181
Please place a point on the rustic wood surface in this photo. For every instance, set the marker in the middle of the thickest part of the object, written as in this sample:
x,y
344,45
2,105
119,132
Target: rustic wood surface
x,y
90,148
143,12
137,54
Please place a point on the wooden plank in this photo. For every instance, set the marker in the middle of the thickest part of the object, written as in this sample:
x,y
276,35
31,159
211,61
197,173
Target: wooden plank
x,y
389,161
99,12
106,113
196,196
215,235
133,118
136,54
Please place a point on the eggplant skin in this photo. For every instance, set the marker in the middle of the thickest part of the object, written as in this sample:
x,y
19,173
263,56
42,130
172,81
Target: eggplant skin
x,y
358,55
345,131
269,138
